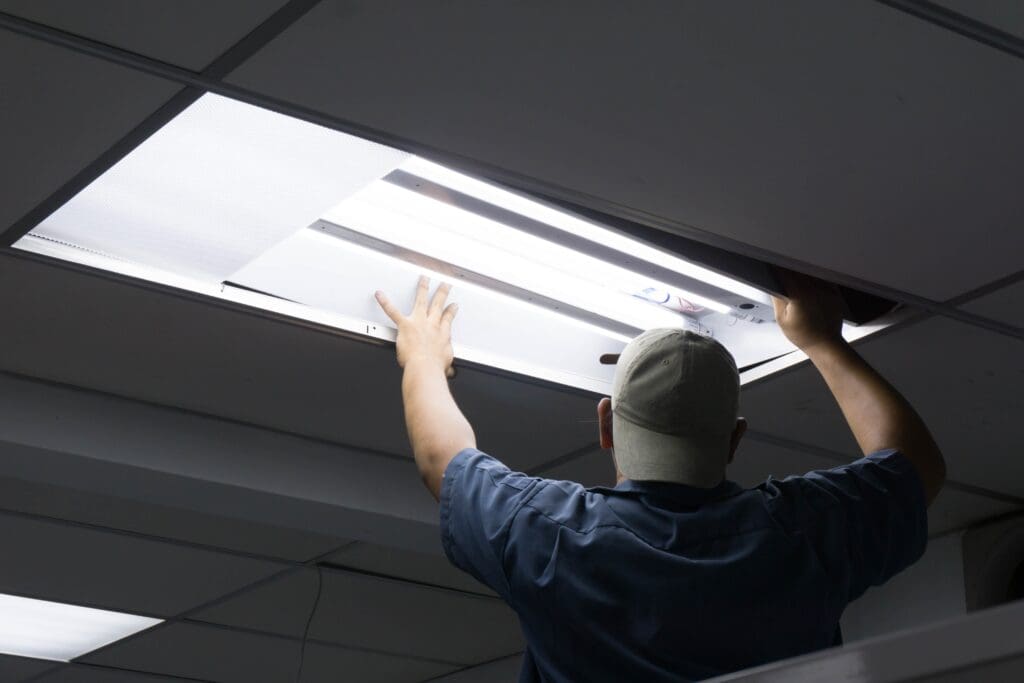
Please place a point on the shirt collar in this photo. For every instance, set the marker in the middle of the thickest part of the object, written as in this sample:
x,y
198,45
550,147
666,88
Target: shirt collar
x,y
691,495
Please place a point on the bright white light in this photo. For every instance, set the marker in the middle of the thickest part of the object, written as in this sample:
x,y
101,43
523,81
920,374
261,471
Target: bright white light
x,y
467,240
589,231
58,631
217,186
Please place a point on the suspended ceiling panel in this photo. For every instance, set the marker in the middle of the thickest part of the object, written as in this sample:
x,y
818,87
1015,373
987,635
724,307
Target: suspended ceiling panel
x,y
1005,15
855,146
56,562
187,33
962,380
756,460
81,673
164,521
505,670
17,669
61,110
147,345
209,653
1005,304
379,614
433,569
117,447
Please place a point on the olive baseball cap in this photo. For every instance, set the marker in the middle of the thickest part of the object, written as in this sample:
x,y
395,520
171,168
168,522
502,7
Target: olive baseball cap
x,y
675,398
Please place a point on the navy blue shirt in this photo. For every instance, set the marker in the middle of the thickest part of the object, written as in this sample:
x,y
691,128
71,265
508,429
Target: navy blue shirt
x,y
652,581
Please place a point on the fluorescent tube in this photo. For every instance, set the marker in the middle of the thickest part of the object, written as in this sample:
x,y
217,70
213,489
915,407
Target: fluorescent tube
x,y
568,223
423,225
59,631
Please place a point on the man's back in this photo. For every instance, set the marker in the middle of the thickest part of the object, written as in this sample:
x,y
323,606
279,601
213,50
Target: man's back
x,y
660,581
667,577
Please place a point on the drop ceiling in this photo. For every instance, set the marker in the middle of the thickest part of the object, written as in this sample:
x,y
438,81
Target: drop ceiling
x,y
849,137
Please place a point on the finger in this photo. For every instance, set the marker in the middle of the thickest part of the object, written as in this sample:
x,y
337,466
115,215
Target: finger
x,y
450,372
447,317
389,308
440,297
422,289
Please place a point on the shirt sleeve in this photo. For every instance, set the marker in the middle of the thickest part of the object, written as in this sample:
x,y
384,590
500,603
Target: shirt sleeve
x,y
480,498
873,517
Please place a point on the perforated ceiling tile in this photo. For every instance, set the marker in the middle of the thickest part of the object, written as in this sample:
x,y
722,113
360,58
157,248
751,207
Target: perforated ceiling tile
x,y
188,33
1004,305
384,615
745,124
17,669
61,110
1005,15
51,561
218,655
432,569
962,380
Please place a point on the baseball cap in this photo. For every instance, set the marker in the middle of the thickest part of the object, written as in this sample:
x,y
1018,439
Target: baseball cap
x,y
675,398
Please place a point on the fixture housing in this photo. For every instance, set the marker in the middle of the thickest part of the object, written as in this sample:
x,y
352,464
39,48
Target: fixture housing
x,y
61,632
240,203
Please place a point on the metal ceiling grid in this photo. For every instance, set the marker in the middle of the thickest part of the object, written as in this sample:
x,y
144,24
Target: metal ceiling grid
x,y
187,33
120,126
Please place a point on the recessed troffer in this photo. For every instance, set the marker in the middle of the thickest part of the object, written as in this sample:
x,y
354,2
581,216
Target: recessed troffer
x,y
240,203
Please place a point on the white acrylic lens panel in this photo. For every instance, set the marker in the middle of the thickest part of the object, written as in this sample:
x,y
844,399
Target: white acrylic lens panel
x,y
58,631
218,185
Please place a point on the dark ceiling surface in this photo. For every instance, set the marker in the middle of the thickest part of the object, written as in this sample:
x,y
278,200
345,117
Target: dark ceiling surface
x,y
224,454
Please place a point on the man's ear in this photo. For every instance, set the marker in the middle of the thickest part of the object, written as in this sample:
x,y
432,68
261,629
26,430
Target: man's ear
x,y
737,434
604,421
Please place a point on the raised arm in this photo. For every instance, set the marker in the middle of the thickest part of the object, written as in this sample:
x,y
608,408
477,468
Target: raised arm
x,y
437,428
878,415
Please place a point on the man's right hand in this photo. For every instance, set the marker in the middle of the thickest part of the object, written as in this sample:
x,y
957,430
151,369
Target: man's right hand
x,y
879,417
812,313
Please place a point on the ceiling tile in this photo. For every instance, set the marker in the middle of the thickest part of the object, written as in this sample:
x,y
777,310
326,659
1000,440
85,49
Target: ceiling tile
x,y
850,146
160,520
17,669
505,670
1005,15
755,461
61,110
142,344
406,564
963,380
81,673
593,468
384,615
1005,305
56,562
214,654
188,33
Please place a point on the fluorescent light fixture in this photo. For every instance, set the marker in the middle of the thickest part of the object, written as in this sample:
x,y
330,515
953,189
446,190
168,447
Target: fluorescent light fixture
x,y
59,631
246,205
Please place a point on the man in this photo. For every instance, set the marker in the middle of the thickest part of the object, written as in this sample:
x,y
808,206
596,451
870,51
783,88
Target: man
x,y
676,573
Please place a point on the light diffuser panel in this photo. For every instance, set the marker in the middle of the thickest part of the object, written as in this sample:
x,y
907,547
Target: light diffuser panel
x,y
59,631
242,204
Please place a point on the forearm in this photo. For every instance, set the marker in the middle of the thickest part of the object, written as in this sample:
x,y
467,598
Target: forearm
x,y
878,415
437,428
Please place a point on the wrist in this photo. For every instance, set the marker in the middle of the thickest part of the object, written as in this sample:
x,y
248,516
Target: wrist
x,y
425,363
824,347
